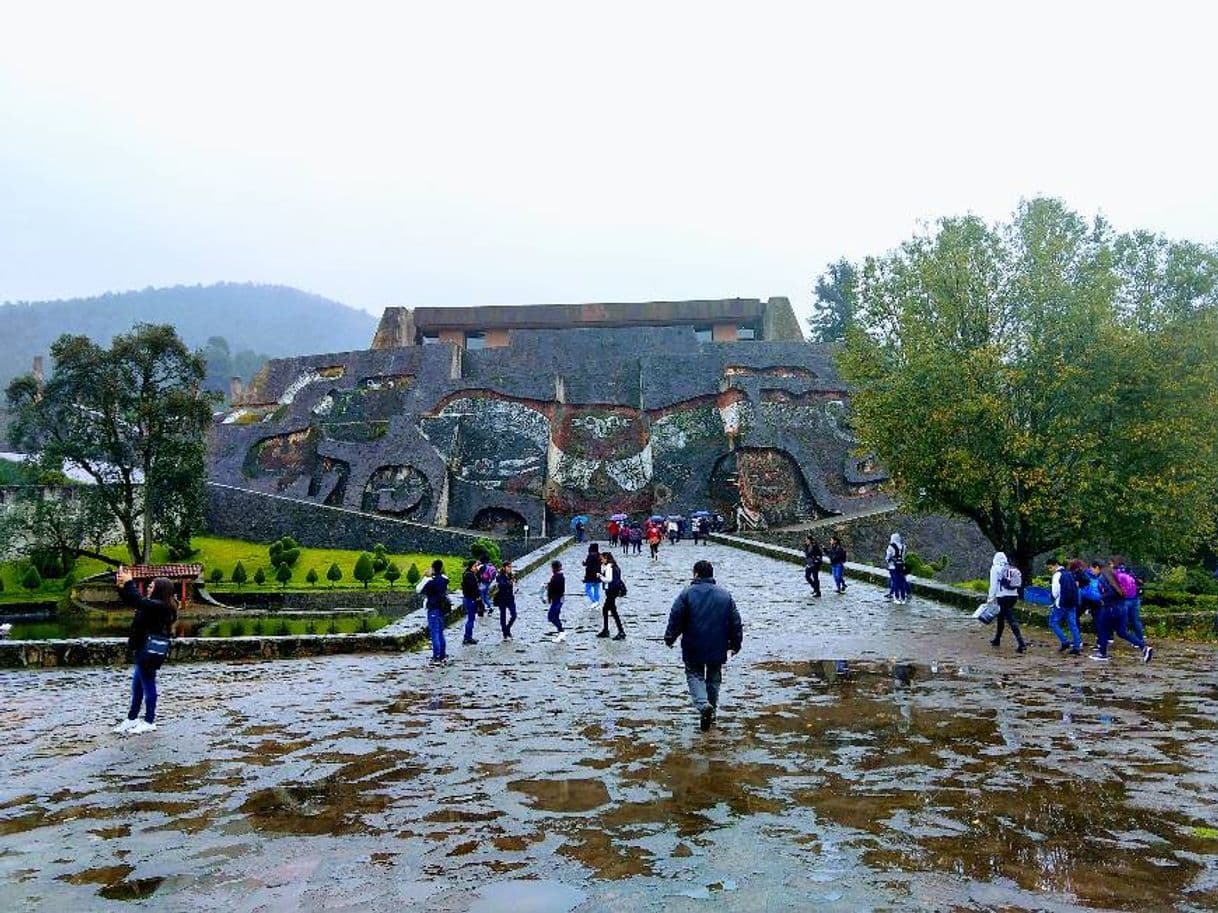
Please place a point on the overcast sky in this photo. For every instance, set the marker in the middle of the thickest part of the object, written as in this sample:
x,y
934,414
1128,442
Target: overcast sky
x,y
451,154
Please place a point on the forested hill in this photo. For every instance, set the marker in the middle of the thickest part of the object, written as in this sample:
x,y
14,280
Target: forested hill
x,y
272,319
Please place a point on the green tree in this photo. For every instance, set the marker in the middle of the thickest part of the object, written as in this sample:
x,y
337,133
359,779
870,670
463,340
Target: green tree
x,y
486,550
380,560
334,574
217,575
32,580
393,573
836,299
240,575
133,418
283,574
311,578
413,575
260,577
1001,373
364,572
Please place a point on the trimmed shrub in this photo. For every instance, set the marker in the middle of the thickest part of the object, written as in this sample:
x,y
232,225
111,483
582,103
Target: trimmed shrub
x,y
393,573
216,575
260,577
283,574
311,578
240,575
413,575
32,580
334,574
364,572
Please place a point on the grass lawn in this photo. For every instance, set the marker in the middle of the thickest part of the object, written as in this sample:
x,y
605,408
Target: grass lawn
x,y
282,627
214,552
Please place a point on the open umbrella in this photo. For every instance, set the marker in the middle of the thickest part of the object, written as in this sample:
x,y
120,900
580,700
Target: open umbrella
x,y
619,517
675,517
577,520
656,519
700,513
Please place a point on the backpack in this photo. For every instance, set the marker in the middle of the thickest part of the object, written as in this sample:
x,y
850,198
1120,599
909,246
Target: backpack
x,y
1129,586
1011,579
898,559
621,588
1067,590
1107,593
1089,591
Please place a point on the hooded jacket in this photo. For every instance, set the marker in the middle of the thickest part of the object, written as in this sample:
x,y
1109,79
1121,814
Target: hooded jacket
x,y
896,546
997,590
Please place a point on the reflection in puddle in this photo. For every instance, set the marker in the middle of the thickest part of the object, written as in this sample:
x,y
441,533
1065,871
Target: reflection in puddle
x,y
563,795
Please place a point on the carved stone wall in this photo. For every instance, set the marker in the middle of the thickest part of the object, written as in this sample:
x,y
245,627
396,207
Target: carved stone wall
x,y
559,423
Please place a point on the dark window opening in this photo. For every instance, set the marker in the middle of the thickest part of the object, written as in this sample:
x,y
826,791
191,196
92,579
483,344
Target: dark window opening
x,y
475,340
704,334
429,339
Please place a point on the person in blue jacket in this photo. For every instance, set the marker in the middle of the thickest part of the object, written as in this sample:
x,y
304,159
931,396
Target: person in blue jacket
x,y
434,587
705,617
154,617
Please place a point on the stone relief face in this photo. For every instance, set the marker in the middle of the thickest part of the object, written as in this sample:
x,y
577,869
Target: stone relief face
x,y
402,491
772,484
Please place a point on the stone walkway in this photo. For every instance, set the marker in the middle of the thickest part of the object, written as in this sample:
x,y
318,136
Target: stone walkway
x,y
927,772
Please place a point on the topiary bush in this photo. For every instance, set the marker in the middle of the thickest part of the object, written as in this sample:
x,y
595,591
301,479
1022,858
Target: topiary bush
x,y
216,575
486,550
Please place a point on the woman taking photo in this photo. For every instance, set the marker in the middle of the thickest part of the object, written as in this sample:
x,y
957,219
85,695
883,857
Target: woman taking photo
x,y
148,643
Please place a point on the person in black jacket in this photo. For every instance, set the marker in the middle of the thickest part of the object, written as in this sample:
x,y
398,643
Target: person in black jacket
x,y
704,616
813,556
154,617
837,563
556,589
471,593
592,575
505,599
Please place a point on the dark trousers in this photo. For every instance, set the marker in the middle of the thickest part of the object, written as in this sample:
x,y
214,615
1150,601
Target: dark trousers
x,y
812,575
506,608
610,611
435,628
1006,616
555,616
1110,621
143,690
703,680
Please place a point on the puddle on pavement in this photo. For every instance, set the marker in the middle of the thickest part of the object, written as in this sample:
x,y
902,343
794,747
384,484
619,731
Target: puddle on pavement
x,y
139,889
579,795
523,896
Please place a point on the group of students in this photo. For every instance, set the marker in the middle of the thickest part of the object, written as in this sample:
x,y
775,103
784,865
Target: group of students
x,y
815,556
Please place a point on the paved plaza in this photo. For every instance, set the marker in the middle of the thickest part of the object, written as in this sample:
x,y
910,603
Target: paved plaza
x,y
925,772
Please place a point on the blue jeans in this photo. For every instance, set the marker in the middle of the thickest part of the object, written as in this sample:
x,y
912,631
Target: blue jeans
x,y
704,680
593,591
1110,621
435,627
143,690
1133,617
555,616
471,610
898,584
839,575
1056,616
505,623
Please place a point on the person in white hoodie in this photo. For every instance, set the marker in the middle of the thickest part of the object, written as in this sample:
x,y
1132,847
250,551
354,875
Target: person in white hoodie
x,y
1005,581
894,559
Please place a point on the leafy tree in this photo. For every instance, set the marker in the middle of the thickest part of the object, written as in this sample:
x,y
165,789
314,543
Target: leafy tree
x,y
260,577
836,299
133,418
486,550
413,575
334,574
217,575
32,580
364,572
284,551
393,573
283,574
240,575
311,578
1018,375
380,560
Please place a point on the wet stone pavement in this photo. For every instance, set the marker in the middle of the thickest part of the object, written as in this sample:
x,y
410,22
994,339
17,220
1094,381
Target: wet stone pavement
x,y
929,772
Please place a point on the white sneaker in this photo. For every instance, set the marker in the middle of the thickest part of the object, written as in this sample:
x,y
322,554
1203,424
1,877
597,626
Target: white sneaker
x,y
142,726
124,726
560,637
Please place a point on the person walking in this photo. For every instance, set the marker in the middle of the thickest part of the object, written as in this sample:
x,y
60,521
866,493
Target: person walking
x,y
471,596
813,557
434,588
592,576
1065,607
505,599
556,589
1131,586
1112,616
672,532
894,559
837,564
148,643
705,617
612,529
653,542
636,539
611,577
579,530
486,576
1005,583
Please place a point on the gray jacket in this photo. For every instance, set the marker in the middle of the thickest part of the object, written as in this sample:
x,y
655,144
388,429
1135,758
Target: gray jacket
x,y
704,616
